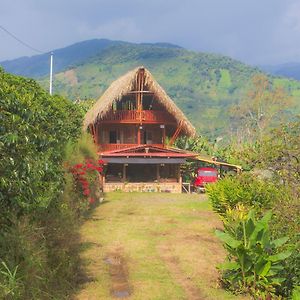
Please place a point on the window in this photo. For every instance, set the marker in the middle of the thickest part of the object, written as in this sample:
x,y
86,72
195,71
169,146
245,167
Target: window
x,y
207,173
112,136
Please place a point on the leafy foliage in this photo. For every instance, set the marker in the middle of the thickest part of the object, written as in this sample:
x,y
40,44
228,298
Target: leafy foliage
x,y
255,261
34,130
246,189
40,206
198,145
274,184
280,152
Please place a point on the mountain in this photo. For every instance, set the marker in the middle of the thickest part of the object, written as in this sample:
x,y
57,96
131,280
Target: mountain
x,y
38,65
203,85
290,70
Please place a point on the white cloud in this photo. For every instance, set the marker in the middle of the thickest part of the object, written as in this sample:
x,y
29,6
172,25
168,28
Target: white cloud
x,y
119,29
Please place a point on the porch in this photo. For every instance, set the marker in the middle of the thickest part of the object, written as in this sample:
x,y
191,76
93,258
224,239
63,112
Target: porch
x,y
142,177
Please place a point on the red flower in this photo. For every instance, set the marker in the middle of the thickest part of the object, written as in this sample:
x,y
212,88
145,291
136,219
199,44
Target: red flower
x,y
86,192
91,200
78,166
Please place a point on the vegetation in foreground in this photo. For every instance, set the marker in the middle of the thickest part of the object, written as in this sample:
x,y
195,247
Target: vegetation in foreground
x,y
41,202
263,252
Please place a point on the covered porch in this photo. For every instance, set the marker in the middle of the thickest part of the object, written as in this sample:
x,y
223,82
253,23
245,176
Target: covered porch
x,y
143,175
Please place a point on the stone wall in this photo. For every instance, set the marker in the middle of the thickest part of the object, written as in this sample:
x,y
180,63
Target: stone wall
x,y
166,187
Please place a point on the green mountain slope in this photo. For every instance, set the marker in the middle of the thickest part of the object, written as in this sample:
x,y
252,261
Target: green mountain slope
x,y
203,85
38,65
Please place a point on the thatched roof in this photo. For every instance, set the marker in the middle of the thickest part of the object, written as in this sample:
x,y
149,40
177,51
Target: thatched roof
x,y
123,86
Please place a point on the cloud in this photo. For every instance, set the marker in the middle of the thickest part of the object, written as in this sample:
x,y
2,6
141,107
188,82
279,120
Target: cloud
x,y
253,31
119,29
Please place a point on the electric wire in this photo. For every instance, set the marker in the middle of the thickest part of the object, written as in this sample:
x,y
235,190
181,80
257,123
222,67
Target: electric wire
x,y
20,41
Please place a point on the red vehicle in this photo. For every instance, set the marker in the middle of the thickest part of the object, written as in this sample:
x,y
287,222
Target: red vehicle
x,y
204,176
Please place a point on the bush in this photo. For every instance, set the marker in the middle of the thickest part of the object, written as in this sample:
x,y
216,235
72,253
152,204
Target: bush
x,y
34,130
254,260
245,189
235,196
286,221
40,204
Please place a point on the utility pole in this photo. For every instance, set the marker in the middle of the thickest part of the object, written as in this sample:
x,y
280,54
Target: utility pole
x,y
51,73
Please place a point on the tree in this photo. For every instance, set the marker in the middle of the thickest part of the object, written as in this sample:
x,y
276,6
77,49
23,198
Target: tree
x,y
263,106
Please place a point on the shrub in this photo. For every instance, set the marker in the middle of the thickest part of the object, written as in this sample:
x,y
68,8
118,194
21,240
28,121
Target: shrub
x,y
254,260
35,128
40,205
286,221
235,196
246,189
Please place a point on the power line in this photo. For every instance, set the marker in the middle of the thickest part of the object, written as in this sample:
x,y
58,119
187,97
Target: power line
x,y
20,41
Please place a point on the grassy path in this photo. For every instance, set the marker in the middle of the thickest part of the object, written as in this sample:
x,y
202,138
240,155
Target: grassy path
x,y
151,246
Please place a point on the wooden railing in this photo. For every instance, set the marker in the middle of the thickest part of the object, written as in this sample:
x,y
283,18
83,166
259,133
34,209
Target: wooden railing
x,y
112,147
134,116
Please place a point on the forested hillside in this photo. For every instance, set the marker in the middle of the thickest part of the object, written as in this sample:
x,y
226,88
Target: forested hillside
x,y
203,85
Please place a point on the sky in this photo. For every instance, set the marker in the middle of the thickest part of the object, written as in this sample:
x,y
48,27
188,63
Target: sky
x,y
258,32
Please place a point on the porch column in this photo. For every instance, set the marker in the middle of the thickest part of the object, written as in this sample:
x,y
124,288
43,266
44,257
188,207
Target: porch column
x,y
178,174
157,172
139,135
163,128
124,173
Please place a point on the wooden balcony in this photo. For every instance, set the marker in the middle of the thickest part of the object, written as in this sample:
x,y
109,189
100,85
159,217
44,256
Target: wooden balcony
x,y
134,116
112,147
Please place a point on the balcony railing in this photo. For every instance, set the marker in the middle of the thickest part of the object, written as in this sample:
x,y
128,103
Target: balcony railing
x,y
134,116
112,147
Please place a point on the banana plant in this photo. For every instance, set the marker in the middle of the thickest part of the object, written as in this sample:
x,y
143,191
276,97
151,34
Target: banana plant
x,y
254,260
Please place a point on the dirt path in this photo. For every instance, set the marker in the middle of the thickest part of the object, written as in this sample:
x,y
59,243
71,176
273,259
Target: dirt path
x,y
151,246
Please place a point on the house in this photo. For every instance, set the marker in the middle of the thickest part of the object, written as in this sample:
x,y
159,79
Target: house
x,y
134,124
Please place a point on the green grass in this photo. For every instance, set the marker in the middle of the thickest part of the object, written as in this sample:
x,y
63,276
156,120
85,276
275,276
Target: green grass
x,y
164,239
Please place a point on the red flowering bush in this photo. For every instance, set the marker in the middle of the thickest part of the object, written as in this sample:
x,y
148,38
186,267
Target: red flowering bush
x,y
86,175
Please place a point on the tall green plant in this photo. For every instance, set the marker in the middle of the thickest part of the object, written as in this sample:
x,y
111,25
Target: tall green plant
x,y
10,284
254,260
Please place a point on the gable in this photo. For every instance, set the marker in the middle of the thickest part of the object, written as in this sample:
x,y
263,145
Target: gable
x,y
133,82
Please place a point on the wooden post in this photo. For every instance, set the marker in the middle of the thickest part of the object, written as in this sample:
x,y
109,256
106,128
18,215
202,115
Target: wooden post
x,y
97,134
139,135
164,135
103,183
124,172
175,135
178,174
180,184
157,172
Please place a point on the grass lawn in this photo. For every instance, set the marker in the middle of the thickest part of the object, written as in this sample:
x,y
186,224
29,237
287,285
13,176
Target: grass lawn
x,y
151,246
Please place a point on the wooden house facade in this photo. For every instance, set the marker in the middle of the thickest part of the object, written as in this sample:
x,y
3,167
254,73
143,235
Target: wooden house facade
x,y
134,124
